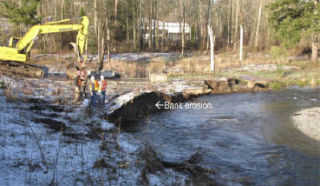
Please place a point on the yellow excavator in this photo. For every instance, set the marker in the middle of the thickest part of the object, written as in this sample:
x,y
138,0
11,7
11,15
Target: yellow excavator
x,y
14,58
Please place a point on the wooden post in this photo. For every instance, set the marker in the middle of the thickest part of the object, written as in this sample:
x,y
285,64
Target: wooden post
x,y
241,43
212,40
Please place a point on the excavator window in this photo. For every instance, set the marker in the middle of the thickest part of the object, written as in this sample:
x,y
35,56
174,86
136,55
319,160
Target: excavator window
x,y
13,42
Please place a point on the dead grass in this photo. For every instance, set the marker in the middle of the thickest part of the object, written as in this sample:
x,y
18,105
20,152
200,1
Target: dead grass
x,y
198,66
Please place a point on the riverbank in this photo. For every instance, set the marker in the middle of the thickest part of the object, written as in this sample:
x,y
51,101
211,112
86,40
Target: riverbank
x,y
171,81
308,122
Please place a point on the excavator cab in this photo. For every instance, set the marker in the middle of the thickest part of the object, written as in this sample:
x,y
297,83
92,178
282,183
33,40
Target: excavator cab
x,y
13,41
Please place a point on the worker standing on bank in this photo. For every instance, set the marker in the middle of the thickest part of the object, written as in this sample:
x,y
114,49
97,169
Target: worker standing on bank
x,y
103,88
94,87
77,87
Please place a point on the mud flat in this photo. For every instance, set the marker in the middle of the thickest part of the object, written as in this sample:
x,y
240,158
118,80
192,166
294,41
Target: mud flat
x,y
307,121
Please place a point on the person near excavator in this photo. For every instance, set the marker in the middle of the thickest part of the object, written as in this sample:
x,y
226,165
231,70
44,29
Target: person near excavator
x,y
76,86
94,87
102,88
81,81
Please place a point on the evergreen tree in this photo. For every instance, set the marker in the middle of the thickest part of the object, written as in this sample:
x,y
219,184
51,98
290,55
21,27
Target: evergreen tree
x,y
293,19
24,12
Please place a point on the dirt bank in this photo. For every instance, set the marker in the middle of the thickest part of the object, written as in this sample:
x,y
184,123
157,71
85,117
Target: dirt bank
x,y
307,121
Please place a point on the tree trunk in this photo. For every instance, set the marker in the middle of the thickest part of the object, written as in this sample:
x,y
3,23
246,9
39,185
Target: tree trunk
x,y
154,24
183,27
150,25
62,9
134,25
258,25
95,17
108,34
115,9
163,35
101,47
101,32
232,25
241,43
212,40
208,22
141,29
314,55
201,24
127,27
236,28
229,20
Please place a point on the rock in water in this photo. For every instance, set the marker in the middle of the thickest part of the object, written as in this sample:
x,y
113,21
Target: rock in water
x,y
308,122
251,84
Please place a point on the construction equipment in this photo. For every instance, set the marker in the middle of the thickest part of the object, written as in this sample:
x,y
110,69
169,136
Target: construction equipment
x,y
14,57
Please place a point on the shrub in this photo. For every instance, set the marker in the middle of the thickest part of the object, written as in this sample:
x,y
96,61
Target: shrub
x,y
278,52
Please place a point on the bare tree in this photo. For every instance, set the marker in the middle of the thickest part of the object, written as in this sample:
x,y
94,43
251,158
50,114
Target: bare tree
x,y
115,9
237,19
183,12
95,16
258,24
150,23
212,42
241,44
314,56
101,31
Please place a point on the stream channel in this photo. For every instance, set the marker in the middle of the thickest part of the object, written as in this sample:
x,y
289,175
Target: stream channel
x,y
245,138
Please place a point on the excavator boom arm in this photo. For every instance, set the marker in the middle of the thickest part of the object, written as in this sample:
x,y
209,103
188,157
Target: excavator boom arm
x,y
44,29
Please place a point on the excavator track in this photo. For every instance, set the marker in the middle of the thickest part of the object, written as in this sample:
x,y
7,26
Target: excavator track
x,y
13,68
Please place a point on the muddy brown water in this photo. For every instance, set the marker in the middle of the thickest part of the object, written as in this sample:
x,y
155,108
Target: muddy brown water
x,y
247,138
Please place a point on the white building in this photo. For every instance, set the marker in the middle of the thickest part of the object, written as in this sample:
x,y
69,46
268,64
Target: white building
x,y
170,28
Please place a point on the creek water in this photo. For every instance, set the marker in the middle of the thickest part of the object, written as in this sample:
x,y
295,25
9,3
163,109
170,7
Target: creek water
x,y
247,138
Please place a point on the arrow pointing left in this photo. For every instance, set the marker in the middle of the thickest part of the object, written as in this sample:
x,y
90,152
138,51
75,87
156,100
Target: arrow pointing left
x,y
158,105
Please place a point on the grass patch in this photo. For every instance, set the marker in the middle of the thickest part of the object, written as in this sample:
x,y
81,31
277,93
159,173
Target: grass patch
x,y
302,83
277,85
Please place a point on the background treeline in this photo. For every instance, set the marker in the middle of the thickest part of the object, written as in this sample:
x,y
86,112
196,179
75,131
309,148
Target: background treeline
x,y
122,25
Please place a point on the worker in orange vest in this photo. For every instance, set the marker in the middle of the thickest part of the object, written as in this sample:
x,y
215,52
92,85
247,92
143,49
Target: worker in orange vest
x,y
102,88
94,87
